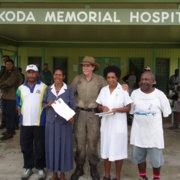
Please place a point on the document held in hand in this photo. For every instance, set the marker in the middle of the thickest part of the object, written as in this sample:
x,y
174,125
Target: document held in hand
x,y
105,113
62,109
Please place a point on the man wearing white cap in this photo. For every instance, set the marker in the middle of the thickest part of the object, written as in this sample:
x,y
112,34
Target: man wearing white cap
x,y
86,128
29,97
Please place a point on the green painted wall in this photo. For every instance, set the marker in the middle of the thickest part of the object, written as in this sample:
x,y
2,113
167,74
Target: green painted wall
x,y
74,54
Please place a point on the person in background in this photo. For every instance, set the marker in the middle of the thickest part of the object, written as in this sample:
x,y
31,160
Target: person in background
x,y
46,75
176,110
114,133
8,85
131,81
87,125
29,97
3,71
23,77
1,107
173,80
148,107
172,84
58,134
3,67
125,78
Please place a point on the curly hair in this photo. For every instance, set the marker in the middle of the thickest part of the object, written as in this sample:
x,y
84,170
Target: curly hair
x,y
114,69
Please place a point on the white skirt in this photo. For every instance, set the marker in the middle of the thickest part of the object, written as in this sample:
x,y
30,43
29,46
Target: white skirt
x,y
114,137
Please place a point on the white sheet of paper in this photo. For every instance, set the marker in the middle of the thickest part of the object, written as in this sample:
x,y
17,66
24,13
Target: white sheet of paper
x,y
104,114
63,109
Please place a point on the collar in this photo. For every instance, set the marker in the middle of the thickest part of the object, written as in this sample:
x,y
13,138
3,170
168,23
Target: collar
x,y
26,83
62,90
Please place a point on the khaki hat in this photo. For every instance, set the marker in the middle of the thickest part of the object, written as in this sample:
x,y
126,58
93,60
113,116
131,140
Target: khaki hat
x,y
90,60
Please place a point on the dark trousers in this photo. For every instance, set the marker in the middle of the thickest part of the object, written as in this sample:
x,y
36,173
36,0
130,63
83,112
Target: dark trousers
x,y
3,121
32,140
16,121
8,114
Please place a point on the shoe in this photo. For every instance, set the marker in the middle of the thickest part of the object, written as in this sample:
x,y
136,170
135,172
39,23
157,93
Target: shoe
x,y
2,126
143,178
41,174
106,178
7,136
94,173
27,173
77,173
13,133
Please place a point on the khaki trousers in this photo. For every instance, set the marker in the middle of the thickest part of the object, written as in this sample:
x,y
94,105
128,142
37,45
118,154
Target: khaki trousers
x,y
86,132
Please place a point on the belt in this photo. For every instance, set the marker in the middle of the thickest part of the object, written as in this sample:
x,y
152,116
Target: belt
x,y
87,109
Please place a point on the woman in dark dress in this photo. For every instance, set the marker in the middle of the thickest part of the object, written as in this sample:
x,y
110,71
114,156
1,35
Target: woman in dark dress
x,y
58,135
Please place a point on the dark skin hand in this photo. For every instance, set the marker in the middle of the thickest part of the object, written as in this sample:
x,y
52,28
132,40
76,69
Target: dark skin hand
x,y
48,105
114,110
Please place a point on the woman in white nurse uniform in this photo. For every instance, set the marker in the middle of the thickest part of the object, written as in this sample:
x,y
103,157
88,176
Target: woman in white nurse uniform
x,y
114,134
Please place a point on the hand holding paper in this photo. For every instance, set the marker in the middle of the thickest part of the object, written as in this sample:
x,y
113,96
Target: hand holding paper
x,y
105,113
62,109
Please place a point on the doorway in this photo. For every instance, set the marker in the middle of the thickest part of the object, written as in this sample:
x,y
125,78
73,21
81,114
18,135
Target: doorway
x,y
162,73
136,64
63,63
37,60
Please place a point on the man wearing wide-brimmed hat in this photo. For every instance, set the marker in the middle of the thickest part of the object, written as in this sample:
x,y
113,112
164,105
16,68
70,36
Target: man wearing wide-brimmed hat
x,y
87,125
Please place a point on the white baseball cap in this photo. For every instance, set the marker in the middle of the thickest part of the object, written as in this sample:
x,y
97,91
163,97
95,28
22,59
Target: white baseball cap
x,y
31,67
147,68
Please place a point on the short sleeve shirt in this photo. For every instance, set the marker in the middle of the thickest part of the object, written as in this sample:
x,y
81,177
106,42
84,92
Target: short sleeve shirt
x,y
147,129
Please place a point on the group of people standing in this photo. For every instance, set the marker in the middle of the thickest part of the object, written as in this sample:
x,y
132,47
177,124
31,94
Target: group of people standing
x,y
47,138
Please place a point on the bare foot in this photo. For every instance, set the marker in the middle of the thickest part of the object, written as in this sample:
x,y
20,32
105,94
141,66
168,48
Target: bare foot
x,y
54,176
62,176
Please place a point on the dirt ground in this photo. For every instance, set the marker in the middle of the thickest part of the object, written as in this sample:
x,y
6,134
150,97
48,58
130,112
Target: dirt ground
x,y
11,160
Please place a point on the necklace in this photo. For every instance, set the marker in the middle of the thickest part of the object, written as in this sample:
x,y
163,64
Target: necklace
x,y
58,89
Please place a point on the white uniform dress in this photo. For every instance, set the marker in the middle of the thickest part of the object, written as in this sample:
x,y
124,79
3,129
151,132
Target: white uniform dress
x,y
114,127
147,129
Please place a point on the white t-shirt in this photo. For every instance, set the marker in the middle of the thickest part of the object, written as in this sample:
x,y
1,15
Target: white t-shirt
x,y
147,129
114,127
